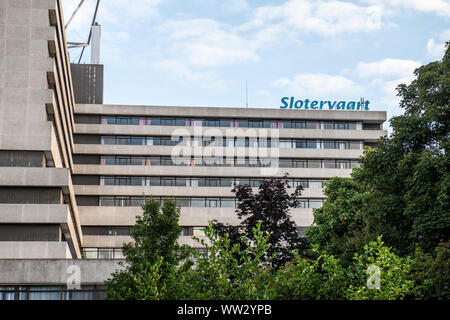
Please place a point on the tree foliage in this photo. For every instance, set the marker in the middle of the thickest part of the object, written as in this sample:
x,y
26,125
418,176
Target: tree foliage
x,y
269,208
431,273
153,257
402,189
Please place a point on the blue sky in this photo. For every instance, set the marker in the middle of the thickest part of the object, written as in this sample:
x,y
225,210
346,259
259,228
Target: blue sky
x,y
201,52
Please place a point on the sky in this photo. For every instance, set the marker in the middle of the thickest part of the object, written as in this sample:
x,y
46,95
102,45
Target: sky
x,y
203,52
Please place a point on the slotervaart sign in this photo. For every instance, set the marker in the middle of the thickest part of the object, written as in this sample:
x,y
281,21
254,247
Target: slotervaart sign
x,y
291,103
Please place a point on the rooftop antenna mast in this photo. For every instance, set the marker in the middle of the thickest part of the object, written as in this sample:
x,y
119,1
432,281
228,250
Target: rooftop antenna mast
x,y
93,24
246,94
361,101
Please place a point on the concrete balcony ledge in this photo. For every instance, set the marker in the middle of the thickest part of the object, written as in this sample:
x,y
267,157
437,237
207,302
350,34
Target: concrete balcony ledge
x,y
34,177
208,171
126,216
33,250
273,113
149,150
172,191
108,129
105,241
55,271
34,213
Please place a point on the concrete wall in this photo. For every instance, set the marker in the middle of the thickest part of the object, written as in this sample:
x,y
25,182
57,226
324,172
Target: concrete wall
x,y
261,113
36,114
55,271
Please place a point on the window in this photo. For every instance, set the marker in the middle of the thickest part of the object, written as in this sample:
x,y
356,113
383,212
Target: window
x,y
107,181
298,124
183,202
342,145
138,140
300,143
354,164
156,121
123,160
198,231
303,203
228,202
315,203
108,140
314,163
122,181
106,201
242,123
300,163
285,143
121,201
329,164
315,184
300,182
328,125
285,163
343,164
187,231
136,202
181,121
213,202
105,253
198,202
328,144
225,123
341,125
226,182
109,160
167,181
311,144
255,123
168,121
137,161
91,253
311,124
356,145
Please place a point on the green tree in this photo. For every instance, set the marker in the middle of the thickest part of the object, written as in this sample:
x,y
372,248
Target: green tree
x,y
431,273
325,278
402,189
270,208
377,261
227,271
341,225
154,257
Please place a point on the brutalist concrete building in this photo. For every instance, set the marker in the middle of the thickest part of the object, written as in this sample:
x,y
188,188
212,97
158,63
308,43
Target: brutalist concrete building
x,y
74,172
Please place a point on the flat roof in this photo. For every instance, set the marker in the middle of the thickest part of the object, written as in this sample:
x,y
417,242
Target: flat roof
x,y
228,112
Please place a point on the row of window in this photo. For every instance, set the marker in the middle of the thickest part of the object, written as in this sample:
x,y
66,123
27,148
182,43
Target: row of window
x,y
52,293
103,253
229,162
193,231
197,202
200,181
233,123
233,142
106,231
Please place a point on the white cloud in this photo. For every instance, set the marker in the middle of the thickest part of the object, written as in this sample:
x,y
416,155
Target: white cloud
x,y
179,70
207,43
235,6
117,11
387,68
320,17
438,7
317,84
436,48
376,79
